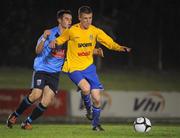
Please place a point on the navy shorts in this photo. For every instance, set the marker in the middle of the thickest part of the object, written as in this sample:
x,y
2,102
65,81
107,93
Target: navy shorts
x,y
40,79
89,74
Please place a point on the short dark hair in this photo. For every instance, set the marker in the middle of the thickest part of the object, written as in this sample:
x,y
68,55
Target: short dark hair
x,y
60,13
84,9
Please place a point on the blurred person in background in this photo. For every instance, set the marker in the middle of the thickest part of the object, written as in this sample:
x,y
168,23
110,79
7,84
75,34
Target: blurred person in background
x,y
81,39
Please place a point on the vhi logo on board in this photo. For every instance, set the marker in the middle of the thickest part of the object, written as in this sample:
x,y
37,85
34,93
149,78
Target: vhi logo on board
x,y
152,102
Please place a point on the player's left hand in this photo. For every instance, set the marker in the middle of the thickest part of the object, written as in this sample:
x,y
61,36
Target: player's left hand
x,y
98,52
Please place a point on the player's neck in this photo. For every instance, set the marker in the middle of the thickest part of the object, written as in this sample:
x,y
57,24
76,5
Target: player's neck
x,y
82,27
61,29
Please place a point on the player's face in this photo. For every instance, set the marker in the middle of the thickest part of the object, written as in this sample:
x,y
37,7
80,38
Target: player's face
x,y
66,21
85,20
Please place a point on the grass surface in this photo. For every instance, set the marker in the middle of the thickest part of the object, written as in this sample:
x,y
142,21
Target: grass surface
x,y
84,131
114,80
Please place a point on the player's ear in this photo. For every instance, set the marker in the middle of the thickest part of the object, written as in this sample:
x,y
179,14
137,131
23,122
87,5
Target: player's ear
x,y
59,20
79,17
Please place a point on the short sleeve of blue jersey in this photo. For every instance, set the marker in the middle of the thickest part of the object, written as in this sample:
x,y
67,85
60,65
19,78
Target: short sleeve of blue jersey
x,y
45,43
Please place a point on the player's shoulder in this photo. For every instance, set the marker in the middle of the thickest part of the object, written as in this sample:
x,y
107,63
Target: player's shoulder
x,y
75,26
54,29
94,28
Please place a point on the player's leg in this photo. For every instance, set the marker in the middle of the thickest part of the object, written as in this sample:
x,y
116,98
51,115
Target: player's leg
x,y
96,98
48,95
46,100
85,95
96,88
26,102
84,86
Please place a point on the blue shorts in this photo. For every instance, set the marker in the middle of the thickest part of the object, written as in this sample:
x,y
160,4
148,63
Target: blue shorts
x,y
89,74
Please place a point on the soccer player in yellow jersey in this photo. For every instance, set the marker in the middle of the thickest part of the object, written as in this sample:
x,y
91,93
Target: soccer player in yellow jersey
x,y
81,40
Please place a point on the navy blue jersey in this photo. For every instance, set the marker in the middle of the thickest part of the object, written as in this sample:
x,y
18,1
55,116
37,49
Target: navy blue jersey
x,y
50,60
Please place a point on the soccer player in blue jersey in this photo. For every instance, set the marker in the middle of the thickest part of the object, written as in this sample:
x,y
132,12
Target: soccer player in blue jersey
x,y
47,67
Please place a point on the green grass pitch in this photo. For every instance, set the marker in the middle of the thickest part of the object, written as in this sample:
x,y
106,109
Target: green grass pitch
x,y
84,131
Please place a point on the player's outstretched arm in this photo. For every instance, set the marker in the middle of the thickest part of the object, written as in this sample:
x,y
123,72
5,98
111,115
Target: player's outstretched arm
x,y
108,42
98,52
40,44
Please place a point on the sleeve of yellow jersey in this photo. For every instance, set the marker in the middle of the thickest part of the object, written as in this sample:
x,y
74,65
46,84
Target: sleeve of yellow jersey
x,y
107,41
63,37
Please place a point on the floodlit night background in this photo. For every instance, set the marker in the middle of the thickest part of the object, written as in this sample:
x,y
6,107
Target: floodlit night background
x,y
150,27
144,82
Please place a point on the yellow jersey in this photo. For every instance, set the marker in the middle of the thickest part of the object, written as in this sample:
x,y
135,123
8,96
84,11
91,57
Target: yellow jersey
x,y
80,46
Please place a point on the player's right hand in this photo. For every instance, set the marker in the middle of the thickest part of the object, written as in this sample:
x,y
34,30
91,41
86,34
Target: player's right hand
x,y
46,33
53,44
126,49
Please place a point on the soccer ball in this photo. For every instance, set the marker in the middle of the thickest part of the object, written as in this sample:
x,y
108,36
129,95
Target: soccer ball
x,y
142,124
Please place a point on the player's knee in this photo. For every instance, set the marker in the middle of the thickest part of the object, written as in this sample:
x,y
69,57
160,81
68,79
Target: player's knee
x,y
84,86
46,103
86,89
96,101
35,95
47,100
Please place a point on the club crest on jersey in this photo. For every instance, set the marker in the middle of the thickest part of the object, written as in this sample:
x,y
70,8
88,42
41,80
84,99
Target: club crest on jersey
x,y
91,37
38,82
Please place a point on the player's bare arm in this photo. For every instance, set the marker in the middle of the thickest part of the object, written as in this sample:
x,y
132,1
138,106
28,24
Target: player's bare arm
x,y
40,46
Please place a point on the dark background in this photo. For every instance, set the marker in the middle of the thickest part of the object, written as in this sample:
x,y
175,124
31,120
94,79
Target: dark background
x,y
149,27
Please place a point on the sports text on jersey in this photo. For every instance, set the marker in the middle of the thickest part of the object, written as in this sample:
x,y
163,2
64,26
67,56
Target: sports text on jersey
x,y
60,53
84,53
84,45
